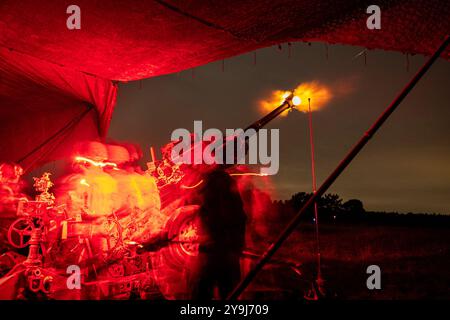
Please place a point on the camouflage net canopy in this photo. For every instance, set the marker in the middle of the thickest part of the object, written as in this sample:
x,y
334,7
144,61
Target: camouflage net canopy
x,y
123,40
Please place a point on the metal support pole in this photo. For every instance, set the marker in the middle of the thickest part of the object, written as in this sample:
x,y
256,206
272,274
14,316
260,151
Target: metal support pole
x,y
335,174
314,189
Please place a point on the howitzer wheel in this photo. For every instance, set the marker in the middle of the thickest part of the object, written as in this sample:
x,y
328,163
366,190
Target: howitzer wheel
x,y
19,233
182,229
172,264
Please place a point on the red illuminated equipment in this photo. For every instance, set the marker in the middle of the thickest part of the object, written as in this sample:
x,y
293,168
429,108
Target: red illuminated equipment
x,y
128,231
58,89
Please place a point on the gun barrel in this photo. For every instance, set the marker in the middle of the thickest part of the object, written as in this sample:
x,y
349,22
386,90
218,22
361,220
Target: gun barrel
x,y
287,104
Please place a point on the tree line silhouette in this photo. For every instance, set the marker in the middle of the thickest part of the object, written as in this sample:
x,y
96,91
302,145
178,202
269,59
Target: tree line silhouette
x,y
332,209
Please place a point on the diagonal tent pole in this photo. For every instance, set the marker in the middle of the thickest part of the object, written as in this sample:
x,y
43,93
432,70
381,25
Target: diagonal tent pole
x,y
319,279
335,174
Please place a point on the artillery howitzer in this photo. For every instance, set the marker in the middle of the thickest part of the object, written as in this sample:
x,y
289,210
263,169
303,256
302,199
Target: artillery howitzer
x,y
124,266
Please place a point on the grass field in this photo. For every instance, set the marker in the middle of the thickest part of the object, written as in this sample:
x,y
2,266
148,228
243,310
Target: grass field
x,y
414,262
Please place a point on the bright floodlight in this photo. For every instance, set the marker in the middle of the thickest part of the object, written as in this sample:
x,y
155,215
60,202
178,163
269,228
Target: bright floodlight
x,y
296,100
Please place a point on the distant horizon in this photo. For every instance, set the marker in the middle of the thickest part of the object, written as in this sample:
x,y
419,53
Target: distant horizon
x,y
375,211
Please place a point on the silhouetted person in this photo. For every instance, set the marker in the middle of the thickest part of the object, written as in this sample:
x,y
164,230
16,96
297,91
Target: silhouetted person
x,y
222,237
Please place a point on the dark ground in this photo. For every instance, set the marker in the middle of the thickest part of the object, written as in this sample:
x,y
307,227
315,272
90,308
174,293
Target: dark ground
x,y
414,262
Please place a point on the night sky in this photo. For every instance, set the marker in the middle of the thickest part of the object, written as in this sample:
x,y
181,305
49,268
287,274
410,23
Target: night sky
x,y
406,166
